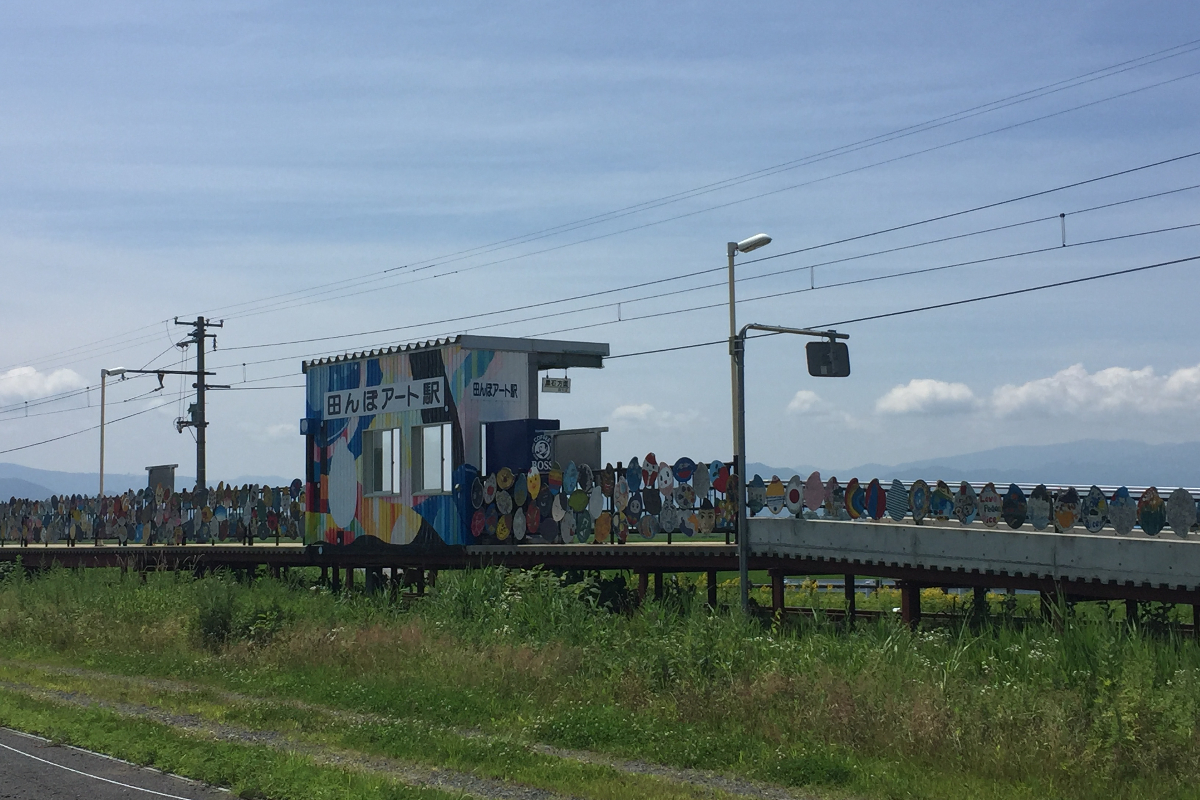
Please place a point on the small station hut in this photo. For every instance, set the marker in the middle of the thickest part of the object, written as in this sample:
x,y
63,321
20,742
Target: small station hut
x,y
394,438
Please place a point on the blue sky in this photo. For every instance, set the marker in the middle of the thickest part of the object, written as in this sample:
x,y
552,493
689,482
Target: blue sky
x,y
163,159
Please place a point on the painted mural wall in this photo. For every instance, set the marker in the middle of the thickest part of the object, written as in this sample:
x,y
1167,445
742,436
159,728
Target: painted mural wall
x,y
404,390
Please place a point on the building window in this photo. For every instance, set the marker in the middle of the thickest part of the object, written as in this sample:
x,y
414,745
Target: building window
x,y
381,461
432,459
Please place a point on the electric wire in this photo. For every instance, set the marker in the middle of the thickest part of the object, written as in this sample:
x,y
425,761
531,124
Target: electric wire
x,y
458,271
947,304
764,172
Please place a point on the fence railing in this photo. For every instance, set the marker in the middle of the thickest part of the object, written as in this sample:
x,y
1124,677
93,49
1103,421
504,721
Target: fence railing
x,y
232,514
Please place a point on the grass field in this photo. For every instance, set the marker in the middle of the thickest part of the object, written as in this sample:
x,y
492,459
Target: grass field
x,y
527,680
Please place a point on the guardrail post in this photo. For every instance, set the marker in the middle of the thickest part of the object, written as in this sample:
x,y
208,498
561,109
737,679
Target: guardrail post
x,y
910,603
851,599
643,585
658,586
1132,617
776,590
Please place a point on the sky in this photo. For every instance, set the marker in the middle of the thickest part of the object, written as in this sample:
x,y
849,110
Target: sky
x,y
368,171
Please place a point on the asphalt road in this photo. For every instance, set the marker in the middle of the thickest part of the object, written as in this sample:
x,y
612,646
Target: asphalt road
x,y
32,769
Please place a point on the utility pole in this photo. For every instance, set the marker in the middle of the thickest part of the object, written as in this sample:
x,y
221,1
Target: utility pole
x,y
198,420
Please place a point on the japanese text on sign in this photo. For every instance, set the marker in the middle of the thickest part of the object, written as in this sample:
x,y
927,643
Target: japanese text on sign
x,y
499,391
386,399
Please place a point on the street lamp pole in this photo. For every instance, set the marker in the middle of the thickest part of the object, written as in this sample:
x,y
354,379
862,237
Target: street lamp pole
x,y
738,346
104,373
738,396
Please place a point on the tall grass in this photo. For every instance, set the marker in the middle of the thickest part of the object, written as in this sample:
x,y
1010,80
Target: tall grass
x,y
1092,708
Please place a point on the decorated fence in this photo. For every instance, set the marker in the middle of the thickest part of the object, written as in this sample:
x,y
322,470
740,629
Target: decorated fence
x,y
576,503
158,516
1118,510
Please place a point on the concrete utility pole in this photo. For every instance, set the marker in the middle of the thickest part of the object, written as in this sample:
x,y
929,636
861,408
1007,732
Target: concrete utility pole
x,y
198,419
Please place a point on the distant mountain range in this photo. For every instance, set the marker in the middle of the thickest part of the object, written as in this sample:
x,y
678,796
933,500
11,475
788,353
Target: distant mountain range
x,y
1085,462
39,484
1108,463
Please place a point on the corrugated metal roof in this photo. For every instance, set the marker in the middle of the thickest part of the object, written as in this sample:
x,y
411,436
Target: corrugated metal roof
x,y
557,353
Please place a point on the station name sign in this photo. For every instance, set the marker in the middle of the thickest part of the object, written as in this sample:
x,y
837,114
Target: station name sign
x,y
556,385
389,398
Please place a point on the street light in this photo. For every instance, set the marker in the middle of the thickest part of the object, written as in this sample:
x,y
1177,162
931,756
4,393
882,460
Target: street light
x,y
104,373
732,249
825,359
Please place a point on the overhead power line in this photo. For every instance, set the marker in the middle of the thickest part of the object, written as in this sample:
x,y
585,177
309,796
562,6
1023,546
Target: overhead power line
x,y
1025,96
932,307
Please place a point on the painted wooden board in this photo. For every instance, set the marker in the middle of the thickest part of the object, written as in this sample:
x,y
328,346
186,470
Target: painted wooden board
x,y
756,494
991,507
774,499
1122,512
621,494
793,496
504,527
608,480
595,502
707,516
559,508
548,529
966,504
648,526
583,526
566,528
814,492
554,478
1039,507
633,475
504,502
1066,509
701,483
651,500
578,500
941,502
665,480
505,479
489,490
621,526
683,469
856,499
570,478
668,518
533,519
545,501
477,493
918,500
635,507
649,469
1152,512
721,481
490,520
1181,512
519,524
587,478
1093,510
689,524
684,496
520,490
897,500
876,500
603,527
1014,507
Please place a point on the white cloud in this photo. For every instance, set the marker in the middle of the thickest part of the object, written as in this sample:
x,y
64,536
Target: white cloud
x,y
803,402
646,415
26,383
927,396
1117,389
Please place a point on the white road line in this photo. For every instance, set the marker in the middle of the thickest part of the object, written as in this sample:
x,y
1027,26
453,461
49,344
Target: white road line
x,y
96,777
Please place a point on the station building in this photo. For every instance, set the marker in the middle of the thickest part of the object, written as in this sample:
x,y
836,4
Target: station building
x,y
395,437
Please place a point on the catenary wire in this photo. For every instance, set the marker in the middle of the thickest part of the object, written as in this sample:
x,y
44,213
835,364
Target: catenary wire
x,y
761,173
458,271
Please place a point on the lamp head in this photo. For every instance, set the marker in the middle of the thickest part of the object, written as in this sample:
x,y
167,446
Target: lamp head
x,y
112,372
753,243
